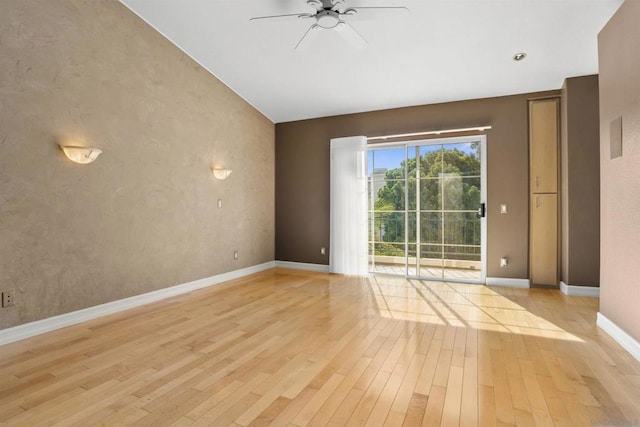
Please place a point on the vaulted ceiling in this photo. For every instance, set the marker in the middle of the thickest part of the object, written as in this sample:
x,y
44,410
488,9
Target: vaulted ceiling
x,y
441,50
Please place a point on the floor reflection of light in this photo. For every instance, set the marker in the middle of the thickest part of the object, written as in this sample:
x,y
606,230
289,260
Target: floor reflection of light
x,y
459,305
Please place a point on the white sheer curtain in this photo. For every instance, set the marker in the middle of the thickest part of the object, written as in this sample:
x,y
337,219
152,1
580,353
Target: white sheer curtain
x,y
348,243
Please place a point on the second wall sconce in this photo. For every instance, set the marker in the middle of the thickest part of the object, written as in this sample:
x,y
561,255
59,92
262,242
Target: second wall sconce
x,y
82,155
221,173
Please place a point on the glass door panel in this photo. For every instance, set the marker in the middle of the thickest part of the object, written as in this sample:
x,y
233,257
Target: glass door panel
x,y
387,213
431,255
449,232
424,201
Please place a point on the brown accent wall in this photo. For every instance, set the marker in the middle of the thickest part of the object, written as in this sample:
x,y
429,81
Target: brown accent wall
x,y
619,66
143,216
580,169
302,173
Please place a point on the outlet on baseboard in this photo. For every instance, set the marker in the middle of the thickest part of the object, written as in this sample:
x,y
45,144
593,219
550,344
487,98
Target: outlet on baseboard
x,y
504,262
235,254
8,298
323,251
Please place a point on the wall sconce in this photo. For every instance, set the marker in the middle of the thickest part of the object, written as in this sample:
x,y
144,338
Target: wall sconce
x,y
221,173
82,155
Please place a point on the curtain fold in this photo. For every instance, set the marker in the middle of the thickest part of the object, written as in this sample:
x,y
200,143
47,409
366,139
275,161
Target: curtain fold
x,y
348,244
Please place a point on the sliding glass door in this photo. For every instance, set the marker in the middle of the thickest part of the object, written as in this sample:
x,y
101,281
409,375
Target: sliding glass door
x,y
387,213
426,209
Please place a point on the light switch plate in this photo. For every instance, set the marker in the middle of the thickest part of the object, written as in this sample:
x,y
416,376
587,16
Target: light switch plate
x,y
503,208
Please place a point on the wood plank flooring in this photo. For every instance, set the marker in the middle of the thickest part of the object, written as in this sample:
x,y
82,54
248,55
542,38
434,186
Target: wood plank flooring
x,y
292,348
429,272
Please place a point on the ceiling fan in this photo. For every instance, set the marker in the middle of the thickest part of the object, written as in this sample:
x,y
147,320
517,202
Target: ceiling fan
x,y
334,15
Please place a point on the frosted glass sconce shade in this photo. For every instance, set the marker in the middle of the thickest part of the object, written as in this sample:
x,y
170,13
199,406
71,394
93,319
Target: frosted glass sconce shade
x,y
82,155
221,173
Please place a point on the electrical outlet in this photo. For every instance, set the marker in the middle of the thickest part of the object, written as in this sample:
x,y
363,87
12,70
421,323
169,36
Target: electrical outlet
x,y
235,254
504,262
503,208
322,251
8,298
219,203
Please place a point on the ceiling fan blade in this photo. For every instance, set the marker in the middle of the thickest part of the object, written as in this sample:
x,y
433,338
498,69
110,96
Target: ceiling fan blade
x,y
364,13
283,17
351,35
308,37
316,4
336,4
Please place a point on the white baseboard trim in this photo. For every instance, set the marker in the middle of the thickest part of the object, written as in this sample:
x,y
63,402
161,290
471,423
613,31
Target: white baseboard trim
x,y
579,291
321,268
38,327
504,281
619,335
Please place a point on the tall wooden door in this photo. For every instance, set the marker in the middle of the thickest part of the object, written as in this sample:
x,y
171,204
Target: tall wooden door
x,y
544,239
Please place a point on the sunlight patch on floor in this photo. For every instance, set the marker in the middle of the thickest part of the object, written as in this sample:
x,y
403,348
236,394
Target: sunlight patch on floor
x,y
459,305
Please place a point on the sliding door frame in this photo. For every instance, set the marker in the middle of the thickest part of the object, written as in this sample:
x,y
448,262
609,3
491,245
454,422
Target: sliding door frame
x,y
482,139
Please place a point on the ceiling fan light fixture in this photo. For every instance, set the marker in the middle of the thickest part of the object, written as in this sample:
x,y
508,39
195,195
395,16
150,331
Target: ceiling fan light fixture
x,y
519,56
327,19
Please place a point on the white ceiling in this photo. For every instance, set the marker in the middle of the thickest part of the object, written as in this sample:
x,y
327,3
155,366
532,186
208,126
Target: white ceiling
x,y
443,50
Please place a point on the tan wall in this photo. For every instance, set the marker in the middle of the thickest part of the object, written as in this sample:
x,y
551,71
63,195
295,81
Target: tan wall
x,y
143,216
302,173
619,63
580,157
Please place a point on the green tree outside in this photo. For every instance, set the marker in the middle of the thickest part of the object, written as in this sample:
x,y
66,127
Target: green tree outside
x,y
449,181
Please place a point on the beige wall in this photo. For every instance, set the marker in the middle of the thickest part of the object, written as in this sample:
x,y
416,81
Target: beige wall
x,y
143,216
619,62
302,173
580,171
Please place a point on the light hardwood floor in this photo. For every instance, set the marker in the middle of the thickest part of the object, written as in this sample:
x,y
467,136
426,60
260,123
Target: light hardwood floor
x,y
285,347
446,273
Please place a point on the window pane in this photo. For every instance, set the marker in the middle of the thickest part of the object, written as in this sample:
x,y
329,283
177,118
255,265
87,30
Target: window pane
x,y
431,261
461,228
461,193
430,161
388,227
389,258
431,227
411,259
388,160
430,194
462,159
389,249
411,226
412,194
464,253
431,252
389,195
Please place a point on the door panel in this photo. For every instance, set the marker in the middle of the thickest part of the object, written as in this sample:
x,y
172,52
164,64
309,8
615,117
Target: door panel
x,y
543,129
450,190
544,239
443,191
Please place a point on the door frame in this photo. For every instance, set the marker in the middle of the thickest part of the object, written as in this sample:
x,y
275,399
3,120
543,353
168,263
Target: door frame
x,y
482,139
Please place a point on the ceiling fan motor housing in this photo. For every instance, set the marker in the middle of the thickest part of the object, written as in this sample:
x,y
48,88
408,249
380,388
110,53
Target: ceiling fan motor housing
x,y
328,19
